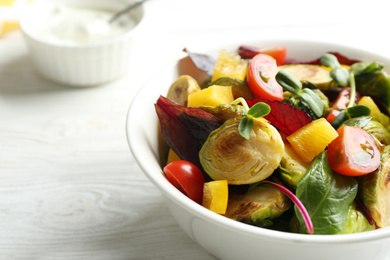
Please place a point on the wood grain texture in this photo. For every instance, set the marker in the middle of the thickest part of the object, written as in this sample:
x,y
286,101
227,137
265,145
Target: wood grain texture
x,y
69,186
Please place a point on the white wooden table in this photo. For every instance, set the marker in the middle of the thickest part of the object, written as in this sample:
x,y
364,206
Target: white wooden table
x,y
69,186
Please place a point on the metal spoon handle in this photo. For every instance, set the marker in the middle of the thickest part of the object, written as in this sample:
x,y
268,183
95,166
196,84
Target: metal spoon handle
x,y
125,10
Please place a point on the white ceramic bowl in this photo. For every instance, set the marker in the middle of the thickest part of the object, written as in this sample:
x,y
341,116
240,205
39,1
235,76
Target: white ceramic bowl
x,y
223,237
85,64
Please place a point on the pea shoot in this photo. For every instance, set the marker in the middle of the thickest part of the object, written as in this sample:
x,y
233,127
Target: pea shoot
x,y
339,74
258,110
343,77
310,100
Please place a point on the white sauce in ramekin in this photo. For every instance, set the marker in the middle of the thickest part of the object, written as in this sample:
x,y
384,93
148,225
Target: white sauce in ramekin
x,y
76,25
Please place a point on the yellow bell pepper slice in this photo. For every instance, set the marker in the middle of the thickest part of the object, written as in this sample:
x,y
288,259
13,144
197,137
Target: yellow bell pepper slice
x,y
215,196
211,96
375,111
172,156
312,139
229,65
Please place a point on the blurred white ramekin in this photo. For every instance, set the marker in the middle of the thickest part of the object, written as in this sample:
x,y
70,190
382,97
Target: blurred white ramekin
x,y
80,65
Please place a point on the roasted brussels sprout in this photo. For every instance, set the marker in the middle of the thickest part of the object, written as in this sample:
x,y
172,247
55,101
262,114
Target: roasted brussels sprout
x,y
226,111
356,222
371,126
371,79
374,191
308,73
226,155
258,207
181,88
291,167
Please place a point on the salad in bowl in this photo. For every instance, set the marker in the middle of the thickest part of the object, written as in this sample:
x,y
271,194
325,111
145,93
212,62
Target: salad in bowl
x,y
282,142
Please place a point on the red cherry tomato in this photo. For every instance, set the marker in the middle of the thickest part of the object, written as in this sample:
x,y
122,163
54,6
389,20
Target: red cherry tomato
x,y
261,77
354,152
342,100
332,115
186,177
278,53
341,103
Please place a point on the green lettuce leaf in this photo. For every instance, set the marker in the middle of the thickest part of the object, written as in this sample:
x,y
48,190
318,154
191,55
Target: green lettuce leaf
x,y
327,197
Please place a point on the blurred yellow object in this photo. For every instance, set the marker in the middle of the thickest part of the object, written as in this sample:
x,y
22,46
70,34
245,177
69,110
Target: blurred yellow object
x,y
7,26
9,14
6,2
13,2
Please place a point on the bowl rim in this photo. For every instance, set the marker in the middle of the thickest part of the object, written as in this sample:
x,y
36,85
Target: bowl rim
x,y
24,17
179,198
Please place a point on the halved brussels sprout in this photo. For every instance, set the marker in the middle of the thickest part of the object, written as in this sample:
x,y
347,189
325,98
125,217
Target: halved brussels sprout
x,y
371,126
316,75
181,88
356,222
374,191
258,207
226,155
371,79
226,111
291,167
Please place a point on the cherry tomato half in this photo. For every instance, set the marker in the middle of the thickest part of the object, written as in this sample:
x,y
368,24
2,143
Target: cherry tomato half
x,y
186,177
278,53
332,115
261,77
354,152
341,103
343,99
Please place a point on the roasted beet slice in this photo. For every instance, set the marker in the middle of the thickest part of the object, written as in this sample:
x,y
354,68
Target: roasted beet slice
x,y
284,117
185,129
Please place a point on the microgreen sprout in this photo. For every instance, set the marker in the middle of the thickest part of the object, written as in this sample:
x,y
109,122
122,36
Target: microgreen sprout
x,y
258,110
339,74
352,95
352,110
293,85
